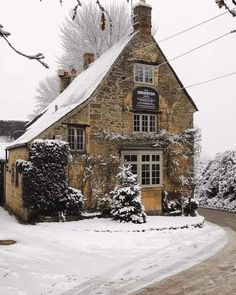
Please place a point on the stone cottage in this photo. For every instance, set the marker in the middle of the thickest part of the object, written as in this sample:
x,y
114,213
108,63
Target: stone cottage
x,y
115,109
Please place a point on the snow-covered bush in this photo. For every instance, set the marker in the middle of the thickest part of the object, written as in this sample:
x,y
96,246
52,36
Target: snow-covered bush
x,y
176,205
45,187
104,204
126,205
216,184
99,173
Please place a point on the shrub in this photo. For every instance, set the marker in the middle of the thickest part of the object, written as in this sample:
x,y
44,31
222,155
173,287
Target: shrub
x,y
45,187
126,205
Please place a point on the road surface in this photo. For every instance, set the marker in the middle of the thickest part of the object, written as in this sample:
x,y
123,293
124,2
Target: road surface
x,y
215,276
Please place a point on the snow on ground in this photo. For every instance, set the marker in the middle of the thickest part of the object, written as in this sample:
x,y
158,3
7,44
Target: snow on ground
x,y
100,256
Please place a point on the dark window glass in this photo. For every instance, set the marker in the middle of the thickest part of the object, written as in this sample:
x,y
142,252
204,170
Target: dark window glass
x,y
76,138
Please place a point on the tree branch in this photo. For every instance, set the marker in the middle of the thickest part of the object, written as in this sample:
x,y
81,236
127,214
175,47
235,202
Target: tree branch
x,y
221,3
38,56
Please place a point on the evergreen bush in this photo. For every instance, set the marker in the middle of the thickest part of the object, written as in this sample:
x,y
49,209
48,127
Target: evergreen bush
x,y
126,204
45,187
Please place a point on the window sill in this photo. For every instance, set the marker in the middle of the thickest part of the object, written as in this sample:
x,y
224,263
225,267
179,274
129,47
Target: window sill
x,y
160,186
144,83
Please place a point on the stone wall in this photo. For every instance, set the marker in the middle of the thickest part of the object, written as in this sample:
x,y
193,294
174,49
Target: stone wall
x,y
13,192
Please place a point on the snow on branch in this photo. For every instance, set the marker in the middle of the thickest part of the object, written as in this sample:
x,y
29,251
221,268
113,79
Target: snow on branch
x,y
75,9
179,148
222,3
163,139
38,56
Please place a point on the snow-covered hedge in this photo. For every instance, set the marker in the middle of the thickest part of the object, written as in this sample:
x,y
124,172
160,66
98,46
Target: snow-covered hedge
x,y
45,187
216,183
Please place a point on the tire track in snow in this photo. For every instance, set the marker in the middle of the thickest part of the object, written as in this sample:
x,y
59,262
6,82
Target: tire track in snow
x,y
118,280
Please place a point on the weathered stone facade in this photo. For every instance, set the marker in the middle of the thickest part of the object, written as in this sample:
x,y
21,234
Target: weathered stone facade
x,y
13,192
110,109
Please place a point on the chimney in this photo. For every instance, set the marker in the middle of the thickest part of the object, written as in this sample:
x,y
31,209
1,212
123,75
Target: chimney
x,y
142,20
66,78
88,58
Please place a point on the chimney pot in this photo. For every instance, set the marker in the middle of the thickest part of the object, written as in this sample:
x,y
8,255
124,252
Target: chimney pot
x,y
66,78
73,72
88,58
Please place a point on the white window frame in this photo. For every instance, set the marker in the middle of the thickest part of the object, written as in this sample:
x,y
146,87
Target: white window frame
x,y
139,125
79,146
144,73
150,163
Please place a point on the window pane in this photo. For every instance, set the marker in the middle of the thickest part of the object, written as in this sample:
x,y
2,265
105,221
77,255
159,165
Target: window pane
x,y
127,158
148,74
144,123
145,158
152,123
134,158
130,158
80,139
145,174
138,73
134,169
137,123
71,138
155,174
155,158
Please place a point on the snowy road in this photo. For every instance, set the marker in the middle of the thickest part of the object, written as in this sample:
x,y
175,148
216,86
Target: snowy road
x,y
216,275
100,256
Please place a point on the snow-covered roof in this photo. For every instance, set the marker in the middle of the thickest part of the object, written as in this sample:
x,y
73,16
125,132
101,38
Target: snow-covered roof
x,y
81,89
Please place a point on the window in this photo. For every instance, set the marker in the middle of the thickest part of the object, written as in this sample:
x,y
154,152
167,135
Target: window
x,y
76,138
14,175
147,165
143,73
145,123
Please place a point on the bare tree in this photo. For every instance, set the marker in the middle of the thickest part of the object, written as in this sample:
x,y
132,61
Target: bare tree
x,y
84,33
47,91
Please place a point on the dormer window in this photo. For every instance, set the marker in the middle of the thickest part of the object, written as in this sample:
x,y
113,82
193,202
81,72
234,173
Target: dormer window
x,y
143,73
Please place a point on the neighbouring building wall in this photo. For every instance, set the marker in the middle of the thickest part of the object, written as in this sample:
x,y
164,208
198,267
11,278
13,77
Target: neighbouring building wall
x,y
14,182
2,181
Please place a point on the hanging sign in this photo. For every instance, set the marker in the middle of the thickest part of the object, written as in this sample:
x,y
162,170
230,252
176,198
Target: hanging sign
x,y
145,99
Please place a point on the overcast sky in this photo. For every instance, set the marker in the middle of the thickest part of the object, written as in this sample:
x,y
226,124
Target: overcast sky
x,y
35,28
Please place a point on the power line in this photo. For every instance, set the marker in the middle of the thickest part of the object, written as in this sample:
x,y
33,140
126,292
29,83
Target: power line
x,y
196,48
183,31
207,81
193,27
187,52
